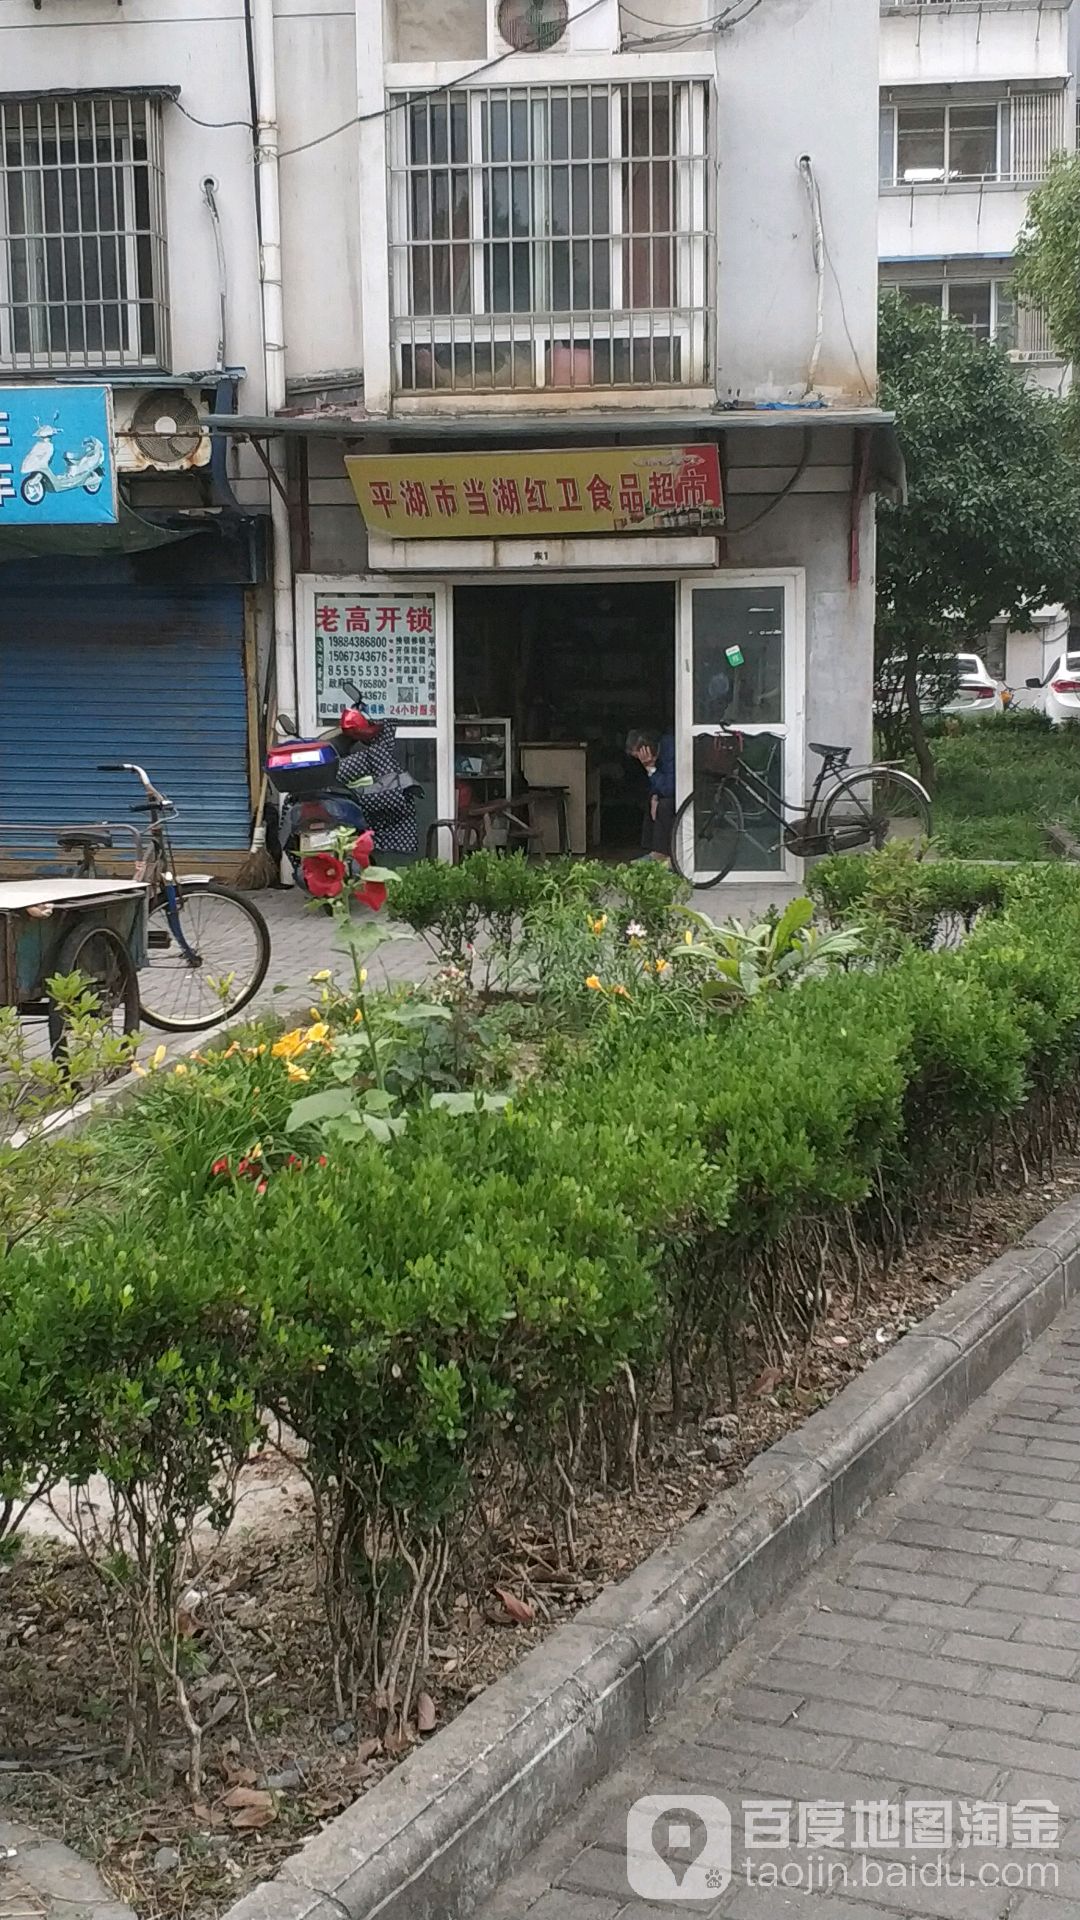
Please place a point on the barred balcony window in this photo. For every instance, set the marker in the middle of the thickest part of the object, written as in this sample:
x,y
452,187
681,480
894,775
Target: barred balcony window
x,y
926,142
82,234
985,305
552,237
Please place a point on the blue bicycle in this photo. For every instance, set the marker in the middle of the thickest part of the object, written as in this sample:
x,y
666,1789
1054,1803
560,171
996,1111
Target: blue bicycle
x,y
208,947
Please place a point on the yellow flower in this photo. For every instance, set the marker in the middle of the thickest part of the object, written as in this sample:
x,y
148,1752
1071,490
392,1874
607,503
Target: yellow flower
x,y
157,1057
623,992
140,1072
317,1033
255,1152
229,1051
662,965
324,973
357,1017
688,936
362,976
253,1053
180,1069
297,1073
594,984
290,1044
599,923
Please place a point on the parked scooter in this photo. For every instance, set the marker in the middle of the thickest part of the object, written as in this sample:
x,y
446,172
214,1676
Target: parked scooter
x,y
312,777
84,469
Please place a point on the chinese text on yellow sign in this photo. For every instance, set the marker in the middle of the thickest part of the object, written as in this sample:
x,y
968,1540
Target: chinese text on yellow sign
x,y
577,491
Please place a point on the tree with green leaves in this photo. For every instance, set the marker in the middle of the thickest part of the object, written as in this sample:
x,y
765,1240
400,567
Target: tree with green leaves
x,y
1048,254
991,524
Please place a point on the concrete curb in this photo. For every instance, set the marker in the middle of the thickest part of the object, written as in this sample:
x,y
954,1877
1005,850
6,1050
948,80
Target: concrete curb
x,y
440,1833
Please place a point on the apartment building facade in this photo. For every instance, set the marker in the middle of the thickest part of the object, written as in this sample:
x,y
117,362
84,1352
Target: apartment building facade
x,y
521,357
976,97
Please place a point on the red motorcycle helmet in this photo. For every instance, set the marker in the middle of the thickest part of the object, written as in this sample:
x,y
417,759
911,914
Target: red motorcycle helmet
x,y
359,725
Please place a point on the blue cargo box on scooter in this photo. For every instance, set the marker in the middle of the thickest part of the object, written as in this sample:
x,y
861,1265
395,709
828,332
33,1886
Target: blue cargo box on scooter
x,y
303,768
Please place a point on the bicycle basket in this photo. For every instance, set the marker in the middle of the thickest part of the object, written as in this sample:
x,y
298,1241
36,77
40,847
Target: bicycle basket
x,y
721,753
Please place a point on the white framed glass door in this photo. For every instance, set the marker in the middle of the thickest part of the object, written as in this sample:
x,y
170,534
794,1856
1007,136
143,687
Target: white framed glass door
x,y
742,663
392,636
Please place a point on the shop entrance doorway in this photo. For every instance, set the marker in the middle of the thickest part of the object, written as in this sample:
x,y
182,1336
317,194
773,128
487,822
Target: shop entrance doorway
x,y
548,680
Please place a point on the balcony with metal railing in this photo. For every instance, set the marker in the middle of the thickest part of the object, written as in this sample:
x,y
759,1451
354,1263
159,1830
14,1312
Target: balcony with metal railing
x,y
547,239
974,6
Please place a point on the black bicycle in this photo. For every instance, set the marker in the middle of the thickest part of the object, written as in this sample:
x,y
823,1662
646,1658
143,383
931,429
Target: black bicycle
x,y
864,808
208,946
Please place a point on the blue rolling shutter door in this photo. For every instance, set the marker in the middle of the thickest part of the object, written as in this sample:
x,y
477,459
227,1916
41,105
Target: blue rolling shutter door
x,y
153,676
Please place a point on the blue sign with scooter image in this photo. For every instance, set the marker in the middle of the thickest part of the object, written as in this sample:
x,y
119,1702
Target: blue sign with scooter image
x,y
56,457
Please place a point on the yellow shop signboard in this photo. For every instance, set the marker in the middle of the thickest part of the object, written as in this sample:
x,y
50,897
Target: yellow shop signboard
x,y
491,496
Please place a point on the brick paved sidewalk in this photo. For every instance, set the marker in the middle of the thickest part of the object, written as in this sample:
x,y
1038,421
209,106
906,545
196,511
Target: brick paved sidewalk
x,y
930,1663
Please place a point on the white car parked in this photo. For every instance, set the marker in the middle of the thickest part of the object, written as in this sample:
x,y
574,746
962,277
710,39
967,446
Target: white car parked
x,y
1058,696
977,691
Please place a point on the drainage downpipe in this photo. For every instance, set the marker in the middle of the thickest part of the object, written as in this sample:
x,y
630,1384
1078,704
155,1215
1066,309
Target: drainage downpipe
x,y
273,321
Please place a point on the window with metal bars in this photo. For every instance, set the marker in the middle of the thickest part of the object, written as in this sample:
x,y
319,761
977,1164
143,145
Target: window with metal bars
x,y
985,305
82,234
552,237
927,142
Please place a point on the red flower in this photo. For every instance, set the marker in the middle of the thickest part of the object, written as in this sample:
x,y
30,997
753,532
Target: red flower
x,y
222,1165
261,1186
323,874
243,1166
363,848
372,894
323,1161
294,1160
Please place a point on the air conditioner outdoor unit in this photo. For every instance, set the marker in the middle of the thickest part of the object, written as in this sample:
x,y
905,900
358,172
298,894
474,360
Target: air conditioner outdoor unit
x,y
159,430
552,26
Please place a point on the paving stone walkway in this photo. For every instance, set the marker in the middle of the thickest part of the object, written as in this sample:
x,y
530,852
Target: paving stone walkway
x,y
301,944
919,1687
42,1879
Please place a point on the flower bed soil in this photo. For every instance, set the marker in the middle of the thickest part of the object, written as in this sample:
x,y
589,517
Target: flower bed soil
x,y
280,1760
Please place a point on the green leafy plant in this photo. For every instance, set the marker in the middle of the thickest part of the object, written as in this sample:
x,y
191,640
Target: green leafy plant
x,y
731,964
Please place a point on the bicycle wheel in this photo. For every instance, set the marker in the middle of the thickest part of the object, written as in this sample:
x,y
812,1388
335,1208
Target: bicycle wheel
x,y
99,954
706,833
876,807
207,958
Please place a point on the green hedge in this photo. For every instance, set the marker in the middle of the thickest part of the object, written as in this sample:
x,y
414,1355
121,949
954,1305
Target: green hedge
x,y
483,1304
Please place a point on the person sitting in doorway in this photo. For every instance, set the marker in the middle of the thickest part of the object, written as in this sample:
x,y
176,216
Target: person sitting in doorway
x,y
655,751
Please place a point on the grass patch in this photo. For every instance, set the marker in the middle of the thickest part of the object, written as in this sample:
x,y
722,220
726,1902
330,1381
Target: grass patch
x,y
1001,783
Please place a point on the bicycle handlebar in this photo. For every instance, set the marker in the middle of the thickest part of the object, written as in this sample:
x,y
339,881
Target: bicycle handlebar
x,y
148,787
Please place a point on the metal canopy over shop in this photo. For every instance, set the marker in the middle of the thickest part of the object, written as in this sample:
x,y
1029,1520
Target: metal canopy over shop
x,y
522,429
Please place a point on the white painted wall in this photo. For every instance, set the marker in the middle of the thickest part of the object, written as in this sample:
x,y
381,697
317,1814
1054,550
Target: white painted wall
x,y
926,223
78,44
938,45
73,44
794,77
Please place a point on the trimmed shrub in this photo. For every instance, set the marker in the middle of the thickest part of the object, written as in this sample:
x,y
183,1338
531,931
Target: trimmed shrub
x,y
481,1305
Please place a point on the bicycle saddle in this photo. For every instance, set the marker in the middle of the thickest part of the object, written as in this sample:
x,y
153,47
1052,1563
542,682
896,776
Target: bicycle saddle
x,y
841,755
88,838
